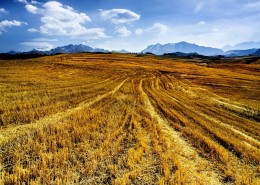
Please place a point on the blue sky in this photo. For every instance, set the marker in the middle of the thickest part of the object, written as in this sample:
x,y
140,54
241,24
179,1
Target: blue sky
x,y
126,24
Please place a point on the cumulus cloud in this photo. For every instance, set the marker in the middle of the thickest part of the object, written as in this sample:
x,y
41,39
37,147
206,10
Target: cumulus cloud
x,y
32,30
61,20
22,1
44,40
123,31
5,24
198,7
253,5
40,46
201,23
157,28
139,31
215,29
119,16
27,2
2,10
35,2
33,9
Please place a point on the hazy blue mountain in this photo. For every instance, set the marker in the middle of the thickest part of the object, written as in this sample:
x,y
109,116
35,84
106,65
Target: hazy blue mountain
x,y
12,52
257,53
63,49
71,49
100,50
75,49
120,51
240,52
242,46
178,49
183,47
67,49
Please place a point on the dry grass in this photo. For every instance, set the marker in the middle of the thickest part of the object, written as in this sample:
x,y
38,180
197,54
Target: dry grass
x,y
126,119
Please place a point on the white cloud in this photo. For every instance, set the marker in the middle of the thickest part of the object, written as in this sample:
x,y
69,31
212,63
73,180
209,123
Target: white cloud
x,y
5,24
198,7
123,31
216,33
44,40
139,31
2,10
33,9
35,2
215,29
158,28
40,46
62,20
27,2
201,23
253,5
22,1
88,41
32,30
119,16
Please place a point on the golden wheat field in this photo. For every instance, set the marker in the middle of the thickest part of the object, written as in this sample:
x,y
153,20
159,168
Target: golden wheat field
x,y
129,119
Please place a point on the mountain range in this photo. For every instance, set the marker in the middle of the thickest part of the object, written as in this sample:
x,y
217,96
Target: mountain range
x,y
183,47
242,46
188,48
76,49
241,52
158,49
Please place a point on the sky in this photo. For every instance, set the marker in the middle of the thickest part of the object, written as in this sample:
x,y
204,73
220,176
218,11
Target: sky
x,y
126,24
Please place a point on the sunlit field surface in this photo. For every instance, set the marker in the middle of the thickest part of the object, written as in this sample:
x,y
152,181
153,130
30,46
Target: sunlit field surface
x,y
129,119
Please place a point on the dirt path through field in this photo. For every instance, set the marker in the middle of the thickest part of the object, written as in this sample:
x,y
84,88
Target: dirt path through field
x,y
188,156
9,133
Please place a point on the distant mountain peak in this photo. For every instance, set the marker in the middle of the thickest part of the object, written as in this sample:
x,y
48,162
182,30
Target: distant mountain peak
x,y
183,47
121,51
183,42
180,49
243,46
257,53
70,48
77,48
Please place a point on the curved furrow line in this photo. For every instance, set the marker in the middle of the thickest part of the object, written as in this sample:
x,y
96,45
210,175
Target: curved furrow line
x,y
209,140
205,110
63,89
222,132
10,133
186,150
249,127
189,127
26,109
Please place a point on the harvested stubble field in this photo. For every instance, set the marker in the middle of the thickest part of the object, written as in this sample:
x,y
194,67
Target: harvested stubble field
x,y
128,119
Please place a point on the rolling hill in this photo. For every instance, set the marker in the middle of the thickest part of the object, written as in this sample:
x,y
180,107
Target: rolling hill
x,y
92,118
